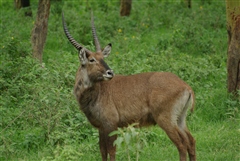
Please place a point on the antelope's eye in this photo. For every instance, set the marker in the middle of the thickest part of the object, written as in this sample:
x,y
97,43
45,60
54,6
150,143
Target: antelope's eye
x,y
92,60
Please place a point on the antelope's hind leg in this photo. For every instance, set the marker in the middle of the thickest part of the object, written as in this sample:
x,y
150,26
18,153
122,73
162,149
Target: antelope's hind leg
x,y
177,136
186,135
191,146
181,123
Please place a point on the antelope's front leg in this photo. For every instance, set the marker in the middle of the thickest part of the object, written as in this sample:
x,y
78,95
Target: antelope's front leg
x,y
106,144
110,147
103,145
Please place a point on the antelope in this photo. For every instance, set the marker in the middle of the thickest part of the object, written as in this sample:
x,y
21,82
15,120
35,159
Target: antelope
x,y
110,101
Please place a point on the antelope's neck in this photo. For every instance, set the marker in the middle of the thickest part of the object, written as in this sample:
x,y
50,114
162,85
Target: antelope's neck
x,y
85,91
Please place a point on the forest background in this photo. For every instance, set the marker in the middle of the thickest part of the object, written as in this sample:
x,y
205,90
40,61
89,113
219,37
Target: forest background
x,y
39,116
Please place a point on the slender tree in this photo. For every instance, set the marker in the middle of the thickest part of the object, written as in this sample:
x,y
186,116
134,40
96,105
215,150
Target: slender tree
x,y
233,61
39,32
126,6
188,3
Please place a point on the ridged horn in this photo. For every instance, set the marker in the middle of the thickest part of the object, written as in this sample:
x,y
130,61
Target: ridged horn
x,y
70,38
94,33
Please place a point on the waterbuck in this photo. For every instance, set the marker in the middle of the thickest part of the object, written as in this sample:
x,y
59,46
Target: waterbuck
x,y
110,101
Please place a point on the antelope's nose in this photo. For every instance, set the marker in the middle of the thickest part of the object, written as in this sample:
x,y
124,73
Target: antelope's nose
x,y
109,73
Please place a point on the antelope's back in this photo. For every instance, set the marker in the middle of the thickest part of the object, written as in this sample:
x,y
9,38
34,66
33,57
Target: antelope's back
x,y
139,85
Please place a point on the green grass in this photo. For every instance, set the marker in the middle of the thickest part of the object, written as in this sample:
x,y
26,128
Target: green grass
x,y
39,116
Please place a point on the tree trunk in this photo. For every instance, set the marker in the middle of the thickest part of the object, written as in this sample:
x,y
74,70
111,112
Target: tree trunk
x,y
39,32
23,3
126,6
188,3
233,29
17,4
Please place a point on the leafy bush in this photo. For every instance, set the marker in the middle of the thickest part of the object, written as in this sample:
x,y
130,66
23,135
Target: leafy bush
x,y
37,102
131,141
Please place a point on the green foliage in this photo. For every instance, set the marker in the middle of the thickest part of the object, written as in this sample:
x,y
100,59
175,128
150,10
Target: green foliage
x,y
40,119
130,139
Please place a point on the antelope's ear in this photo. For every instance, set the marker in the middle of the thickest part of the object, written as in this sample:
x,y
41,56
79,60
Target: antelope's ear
x,y
107,50
83,55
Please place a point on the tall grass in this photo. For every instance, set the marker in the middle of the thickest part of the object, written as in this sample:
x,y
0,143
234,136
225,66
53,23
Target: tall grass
x,y
40,119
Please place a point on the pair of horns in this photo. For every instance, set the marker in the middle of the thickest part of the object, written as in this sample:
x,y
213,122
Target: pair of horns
x,y
75,43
